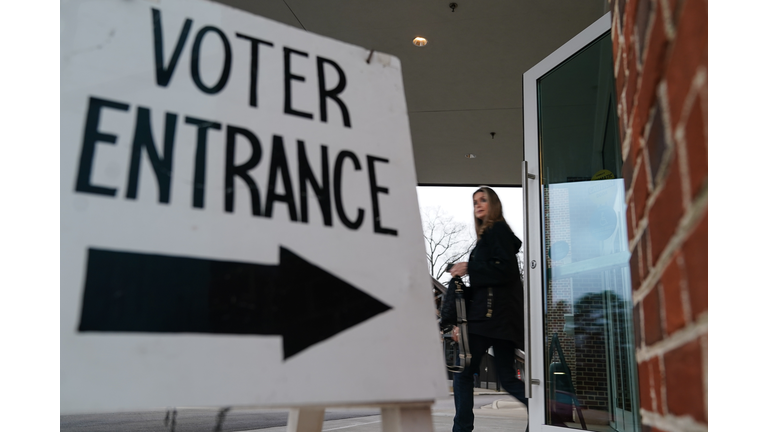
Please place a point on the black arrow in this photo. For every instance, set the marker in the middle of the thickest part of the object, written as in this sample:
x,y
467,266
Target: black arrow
x,y
135,292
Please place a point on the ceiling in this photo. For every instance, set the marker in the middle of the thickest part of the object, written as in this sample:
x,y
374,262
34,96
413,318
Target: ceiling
x,y
466,83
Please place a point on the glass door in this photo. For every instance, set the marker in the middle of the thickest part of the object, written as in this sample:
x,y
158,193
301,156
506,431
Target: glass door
x,y
580,330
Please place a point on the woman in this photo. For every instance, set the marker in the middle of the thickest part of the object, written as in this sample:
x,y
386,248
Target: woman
x,y
495,310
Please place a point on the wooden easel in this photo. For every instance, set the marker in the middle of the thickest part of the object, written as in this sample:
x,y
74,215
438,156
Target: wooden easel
x,y
395,417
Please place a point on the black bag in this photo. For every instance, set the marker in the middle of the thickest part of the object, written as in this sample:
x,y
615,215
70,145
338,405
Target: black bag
x,y
448,316
448,306
453,312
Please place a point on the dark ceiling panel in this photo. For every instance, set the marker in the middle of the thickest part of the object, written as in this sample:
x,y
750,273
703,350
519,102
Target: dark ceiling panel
x,y
465,83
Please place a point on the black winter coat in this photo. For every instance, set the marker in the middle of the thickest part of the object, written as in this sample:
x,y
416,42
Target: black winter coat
x,y
493,264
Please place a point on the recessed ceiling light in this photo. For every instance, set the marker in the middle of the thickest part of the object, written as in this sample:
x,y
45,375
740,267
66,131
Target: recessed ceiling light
x,y
419,41
470,156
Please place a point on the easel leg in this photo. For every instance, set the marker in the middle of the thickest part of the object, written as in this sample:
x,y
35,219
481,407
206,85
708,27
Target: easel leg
x,y
407,418
306,419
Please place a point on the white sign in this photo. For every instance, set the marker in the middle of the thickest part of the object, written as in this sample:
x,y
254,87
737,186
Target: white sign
x,y
239,221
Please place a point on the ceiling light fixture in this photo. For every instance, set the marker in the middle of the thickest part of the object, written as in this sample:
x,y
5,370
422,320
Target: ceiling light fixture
x,y
470,156
419,41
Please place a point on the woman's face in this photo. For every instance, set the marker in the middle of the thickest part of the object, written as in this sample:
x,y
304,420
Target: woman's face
x,y
480,201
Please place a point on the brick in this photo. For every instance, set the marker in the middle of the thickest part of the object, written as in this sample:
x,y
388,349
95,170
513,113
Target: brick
x,y
632,75
696,145
638,325
621,77
695,251
685,381
658,384
688,52
673,298
621,110
671,12
634,267
640,190
630,11
653,66
667,211
635,144
644,9
615,39
622,4
652,317
656,144
628,173
630,221
675,6
646,261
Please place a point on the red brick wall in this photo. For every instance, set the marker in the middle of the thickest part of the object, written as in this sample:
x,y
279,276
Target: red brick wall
x,y
559,293
660,54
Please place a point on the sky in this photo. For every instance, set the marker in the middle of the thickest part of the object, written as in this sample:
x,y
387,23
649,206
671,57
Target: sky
x,y
457,202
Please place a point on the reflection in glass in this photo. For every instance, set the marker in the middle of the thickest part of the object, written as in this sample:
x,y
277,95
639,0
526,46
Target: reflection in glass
x,y
591,381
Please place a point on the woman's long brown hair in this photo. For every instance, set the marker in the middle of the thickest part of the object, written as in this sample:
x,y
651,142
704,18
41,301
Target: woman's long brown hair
x,y
494,214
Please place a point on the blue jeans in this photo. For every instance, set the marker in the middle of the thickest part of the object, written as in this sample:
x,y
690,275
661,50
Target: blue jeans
x,y
463,383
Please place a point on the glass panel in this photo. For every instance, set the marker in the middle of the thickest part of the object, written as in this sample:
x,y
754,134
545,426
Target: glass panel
x,y
589,349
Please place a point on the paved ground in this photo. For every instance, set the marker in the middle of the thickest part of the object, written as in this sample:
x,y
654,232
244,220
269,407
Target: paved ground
x,y
493,412
193,420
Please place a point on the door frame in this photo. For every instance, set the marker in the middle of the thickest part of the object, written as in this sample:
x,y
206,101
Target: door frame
x,y
534,256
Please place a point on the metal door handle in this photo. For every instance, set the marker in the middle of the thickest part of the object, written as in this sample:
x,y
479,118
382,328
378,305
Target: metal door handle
x,y
527,285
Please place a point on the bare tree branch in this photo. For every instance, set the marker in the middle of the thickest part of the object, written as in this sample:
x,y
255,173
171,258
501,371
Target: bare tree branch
x,y
446,241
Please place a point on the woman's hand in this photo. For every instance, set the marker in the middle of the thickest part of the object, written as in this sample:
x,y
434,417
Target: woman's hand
x,y
459,269
455,334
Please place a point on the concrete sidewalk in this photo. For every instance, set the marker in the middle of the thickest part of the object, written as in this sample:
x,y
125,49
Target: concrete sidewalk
x,y
494,411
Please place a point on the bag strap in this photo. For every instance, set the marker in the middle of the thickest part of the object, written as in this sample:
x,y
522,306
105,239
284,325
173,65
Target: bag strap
x,y
465,357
